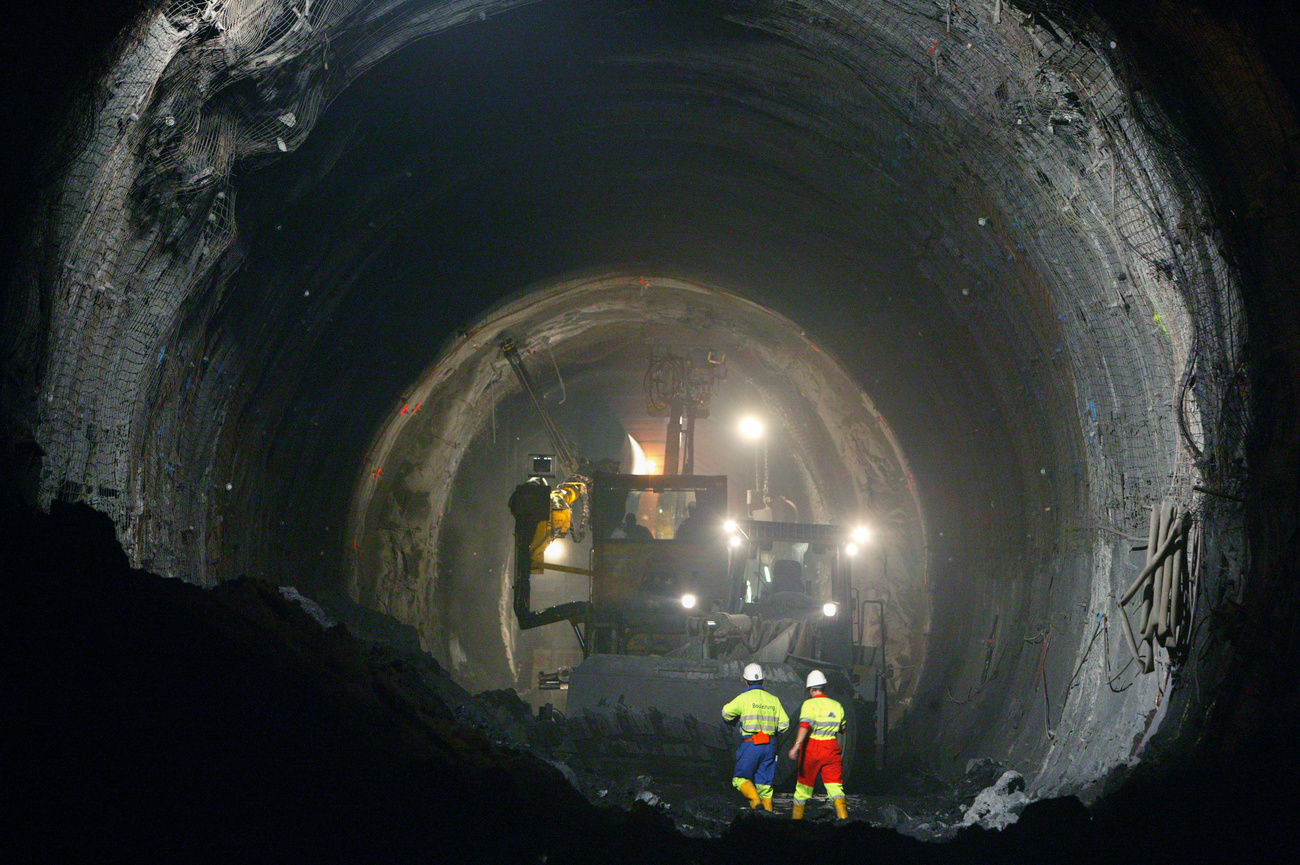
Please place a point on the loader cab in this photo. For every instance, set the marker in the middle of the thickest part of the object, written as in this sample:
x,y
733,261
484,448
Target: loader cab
x,y
648,573
795,571
786,573
669,507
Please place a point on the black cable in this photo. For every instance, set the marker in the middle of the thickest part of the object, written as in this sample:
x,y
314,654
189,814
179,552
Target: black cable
x,y
1082,661
1110,682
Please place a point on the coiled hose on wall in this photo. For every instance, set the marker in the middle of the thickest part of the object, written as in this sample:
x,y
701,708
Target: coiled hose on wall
x,y
1165,589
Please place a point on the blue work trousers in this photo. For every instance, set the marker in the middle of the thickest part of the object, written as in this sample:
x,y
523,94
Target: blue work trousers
x,y
756,762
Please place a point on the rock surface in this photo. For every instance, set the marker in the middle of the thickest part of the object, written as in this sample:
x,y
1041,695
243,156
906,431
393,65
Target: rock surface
x,y
998,806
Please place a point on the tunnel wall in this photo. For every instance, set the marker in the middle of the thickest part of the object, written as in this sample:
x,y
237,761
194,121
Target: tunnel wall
x,y
1030,179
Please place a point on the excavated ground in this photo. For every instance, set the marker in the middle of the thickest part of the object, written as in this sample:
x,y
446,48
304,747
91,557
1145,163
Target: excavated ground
x,y
159,719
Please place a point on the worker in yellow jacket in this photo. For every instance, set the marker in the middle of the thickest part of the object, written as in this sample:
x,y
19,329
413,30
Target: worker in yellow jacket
x,y
762,719
820,720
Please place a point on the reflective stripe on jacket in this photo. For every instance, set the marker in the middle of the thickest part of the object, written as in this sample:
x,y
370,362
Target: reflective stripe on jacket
x,y
822,716
758,711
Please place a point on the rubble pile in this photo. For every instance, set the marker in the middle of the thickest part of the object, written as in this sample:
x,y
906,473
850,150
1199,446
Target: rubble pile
x,y
999,805
155,718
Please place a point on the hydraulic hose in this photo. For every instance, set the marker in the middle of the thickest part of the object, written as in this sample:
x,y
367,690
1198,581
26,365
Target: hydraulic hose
x,y
1165,586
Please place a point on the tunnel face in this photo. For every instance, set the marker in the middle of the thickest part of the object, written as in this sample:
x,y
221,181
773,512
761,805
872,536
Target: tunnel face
x,y
963,269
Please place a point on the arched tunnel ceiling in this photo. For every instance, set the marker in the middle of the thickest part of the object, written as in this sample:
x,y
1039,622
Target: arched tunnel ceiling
x,y
274,221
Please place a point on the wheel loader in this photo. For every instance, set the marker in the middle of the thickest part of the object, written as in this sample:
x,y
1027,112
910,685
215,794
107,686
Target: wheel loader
x,y
677,611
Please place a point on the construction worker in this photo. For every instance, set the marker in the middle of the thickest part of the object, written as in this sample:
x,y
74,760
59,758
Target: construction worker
x,y
762,719
820,719
692,528
631,530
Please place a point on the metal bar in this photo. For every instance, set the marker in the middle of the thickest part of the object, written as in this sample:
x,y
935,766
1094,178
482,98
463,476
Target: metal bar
x,y
569,462
1219,493
1130,638
816,664
577,633
673,440
688,460
548,566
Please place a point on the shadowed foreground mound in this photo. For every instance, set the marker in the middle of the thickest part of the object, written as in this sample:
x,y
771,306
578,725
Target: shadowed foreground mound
x,y
161,717
150,718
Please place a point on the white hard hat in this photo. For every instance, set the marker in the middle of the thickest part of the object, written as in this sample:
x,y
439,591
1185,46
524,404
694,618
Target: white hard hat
x,y
753,673
815,679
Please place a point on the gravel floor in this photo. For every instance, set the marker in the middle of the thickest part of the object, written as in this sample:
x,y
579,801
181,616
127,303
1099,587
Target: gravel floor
x,y
701,812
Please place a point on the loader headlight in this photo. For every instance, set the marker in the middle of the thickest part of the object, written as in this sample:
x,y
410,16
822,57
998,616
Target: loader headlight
x,y
735,540
729,527
829,610
688,601
851,549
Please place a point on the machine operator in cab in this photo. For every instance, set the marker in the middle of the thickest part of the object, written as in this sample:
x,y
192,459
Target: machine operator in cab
x,y
820,719
762,719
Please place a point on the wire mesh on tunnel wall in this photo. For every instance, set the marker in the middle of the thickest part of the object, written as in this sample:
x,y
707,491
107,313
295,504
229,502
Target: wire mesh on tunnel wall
x,y
1058,215
133,237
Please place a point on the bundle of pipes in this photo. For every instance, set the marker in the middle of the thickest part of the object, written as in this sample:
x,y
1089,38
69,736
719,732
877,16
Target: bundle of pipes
x,y
1166,589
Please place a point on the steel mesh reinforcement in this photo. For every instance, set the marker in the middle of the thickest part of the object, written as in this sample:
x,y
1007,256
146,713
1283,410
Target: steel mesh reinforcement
x,y
1059,211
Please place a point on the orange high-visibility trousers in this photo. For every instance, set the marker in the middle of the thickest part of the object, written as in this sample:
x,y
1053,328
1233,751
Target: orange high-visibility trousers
x,y
821,755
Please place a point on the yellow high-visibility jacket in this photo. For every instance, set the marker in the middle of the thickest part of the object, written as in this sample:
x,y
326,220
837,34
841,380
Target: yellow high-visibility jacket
x,y
822,716
758,712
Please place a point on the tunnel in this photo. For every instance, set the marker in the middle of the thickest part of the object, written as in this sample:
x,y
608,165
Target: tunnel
x,y
1010,283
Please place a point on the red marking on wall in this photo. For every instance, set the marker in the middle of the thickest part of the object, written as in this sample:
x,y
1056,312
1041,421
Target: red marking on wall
x,y
379,470
403,411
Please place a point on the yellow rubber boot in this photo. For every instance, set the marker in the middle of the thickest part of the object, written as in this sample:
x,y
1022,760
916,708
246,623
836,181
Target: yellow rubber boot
x,y
767,803
797,812
842,809
747,790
